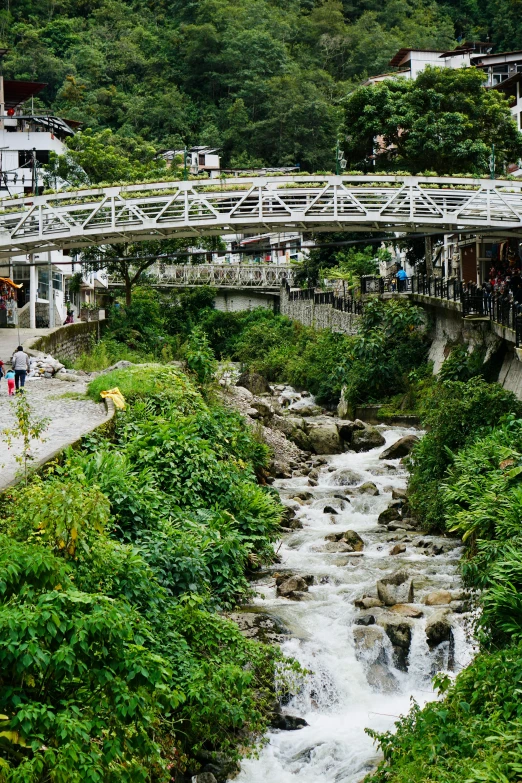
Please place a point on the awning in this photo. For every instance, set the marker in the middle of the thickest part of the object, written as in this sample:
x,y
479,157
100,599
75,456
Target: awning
x,y
8,281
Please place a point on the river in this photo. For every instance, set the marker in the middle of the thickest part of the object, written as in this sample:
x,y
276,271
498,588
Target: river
x,y
336,699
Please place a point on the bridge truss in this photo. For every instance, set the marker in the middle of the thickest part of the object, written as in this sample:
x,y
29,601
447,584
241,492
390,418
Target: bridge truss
x,y
249,205
268,277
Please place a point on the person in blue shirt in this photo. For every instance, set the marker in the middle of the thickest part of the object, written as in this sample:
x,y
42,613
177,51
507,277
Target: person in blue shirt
x,y
402,277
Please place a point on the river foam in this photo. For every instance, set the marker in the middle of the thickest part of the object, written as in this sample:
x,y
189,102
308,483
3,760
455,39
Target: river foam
x,y
336,699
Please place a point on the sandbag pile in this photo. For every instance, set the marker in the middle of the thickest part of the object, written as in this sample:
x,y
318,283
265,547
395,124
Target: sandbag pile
x,y
44,367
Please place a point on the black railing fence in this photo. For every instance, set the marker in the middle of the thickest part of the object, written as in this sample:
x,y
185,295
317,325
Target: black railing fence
x,y
476,301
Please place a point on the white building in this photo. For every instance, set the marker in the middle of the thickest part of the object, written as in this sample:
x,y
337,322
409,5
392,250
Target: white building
x,y
198,160
26,141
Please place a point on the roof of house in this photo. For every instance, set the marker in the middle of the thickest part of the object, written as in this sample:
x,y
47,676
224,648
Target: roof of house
x,y
16,92
398,58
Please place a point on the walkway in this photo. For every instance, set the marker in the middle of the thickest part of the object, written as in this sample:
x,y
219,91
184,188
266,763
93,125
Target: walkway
x,y
10,339
71,415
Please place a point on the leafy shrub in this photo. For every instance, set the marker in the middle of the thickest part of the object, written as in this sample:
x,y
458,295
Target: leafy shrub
x,y
473,735
200,357
454,414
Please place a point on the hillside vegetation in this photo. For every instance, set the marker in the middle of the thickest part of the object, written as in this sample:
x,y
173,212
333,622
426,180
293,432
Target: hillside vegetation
x,y
263,79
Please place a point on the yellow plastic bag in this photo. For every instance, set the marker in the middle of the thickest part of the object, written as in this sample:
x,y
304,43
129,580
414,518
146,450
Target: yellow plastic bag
x,y
116,396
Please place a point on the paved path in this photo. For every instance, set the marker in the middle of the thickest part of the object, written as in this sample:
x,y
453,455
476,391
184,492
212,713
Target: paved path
x,y
10,339
70,418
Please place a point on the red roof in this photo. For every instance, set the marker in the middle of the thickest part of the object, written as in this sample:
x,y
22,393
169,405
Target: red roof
x,y
16,93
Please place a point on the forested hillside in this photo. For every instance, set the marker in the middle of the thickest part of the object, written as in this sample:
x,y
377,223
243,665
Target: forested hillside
x,y
263,79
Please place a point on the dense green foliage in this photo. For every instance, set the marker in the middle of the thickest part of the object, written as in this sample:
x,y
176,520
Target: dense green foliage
x,y
455,414
260,78
115,665
466,478
443,121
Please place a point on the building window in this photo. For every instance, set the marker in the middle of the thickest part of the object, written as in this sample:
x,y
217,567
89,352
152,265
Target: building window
x,y
57,281
43,284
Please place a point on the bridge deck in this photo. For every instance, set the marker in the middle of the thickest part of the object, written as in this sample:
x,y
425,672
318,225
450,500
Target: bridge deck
x,y
249,205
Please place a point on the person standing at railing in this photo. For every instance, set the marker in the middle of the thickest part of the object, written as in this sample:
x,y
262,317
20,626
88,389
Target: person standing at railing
x,y
402,279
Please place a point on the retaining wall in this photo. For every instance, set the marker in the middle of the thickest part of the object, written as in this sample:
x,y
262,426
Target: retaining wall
x,y
320,316
67,342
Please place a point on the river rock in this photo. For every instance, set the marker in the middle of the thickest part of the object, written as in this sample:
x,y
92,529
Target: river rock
x,y
263,408
367,439
359,425
280,469
304,408
367,619
254,382
367,602
346,477
407,610
337,547
287,722
381,679
345,429
217,764
325,439
390,514
290,586
368,638
354,539
396,588
205,777
368,488
399,494
398,549
259,626
400,448
438,598
398,631
438,628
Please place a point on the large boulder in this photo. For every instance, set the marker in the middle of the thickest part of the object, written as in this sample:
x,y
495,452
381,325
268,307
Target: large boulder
x,y
287,722
337,546
368,488
438,628
325,439
289,587
354,539
217,764
400,448
263,407
254,382
407,610
205,777
369,642
398,630
346,477
396,588
367,439
389,514
305,407
367,602
438,598
381,679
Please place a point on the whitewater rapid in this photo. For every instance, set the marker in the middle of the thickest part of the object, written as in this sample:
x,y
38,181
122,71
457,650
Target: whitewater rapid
x,y
336,700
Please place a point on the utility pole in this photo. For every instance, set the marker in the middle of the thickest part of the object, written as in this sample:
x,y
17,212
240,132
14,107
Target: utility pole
x,y
185,172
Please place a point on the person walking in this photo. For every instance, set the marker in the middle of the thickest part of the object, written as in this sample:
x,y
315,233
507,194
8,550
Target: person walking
x,y
10,377
21,366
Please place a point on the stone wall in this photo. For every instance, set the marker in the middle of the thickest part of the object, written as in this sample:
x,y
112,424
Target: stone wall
x,y
320,316
41,311
66,343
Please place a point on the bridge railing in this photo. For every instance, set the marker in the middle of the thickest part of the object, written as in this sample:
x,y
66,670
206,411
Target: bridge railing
x,y
217,275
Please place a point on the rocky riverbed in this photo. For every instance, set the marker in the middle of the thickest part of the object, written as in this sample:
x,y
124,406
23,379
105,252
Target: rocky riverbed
x,y
366,602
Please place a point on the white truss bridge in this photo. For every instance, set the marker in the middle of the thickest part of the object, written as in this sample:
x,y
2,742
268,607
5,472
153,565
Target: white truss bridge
x,y
268,277
249,205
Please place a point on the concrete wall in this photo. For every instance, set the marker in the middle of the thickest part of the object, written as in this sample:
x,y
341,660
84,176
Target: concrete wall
x,y
497,342
67,342
232,301
320,316
41,310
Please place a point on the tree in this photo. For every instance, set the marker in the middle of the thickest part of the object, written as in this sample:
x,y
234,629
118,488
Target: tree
x,y
444,120
104,156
